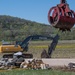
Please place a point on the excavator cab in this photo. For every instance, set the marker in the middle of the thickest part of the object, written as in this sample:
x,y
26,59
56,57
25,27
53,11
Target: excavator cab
x,y
61,16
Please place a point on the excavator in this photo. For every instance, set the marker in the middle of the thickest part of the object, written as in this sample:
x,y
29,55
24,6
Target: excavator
x,y
61,16
8,50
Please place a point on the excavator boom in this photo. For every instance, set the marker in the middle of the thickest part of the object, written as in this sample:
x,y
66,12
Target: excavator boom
x,y
25,43
20,47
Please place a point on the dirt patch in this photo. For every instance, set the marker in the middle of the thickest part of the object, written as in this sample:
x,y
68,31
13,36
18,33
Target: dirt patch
x,y
64,68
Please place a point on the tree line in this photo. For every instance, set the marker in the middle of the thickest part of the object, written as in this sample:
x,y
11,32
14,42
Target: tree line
x,y
17,29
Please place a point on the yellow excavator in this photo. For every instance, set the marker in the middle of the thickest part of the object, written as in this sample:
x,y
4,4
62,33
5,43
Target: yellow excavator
x,y
8,50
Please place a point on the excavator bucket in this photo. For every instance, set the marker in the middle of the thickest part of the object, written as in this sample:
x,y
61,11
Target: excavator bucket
x,y
64,23
61,16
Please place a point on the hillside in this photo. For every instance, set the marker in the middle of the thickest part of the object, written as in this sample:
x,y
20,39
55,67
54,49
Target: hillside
x,y
17,29
14,28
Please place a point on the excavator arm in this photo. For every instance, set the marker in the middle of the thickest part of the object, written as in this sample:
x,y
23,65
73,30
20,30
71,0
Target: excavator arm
x,y
53,45
51,48
24,44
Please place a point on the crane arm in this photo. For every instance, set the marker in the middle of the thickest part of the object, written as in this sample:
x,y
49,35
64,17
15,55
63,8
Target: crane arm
x,y
63,1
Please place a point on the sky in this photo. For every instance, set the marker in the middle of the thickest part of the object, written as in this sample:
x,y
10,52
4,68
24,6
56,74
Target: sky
x,y
34,10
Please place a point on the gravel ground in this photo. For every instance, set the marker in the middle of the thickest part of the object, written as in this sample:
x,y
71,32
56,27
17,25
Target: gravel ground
x,y
57,62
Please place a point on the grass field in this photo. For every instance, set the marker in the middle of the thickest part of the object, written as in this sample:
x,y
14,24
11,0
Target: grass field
x,y
35,72
64,49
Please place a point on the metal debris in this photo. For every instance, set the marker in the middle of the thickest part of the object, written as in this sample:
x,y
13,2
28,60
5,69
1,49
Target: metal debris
x,y
20,63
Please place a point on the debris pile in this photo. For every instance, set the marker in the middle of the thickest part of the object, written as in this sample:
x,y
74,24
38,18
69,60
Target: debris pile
x,y
34,64
71,65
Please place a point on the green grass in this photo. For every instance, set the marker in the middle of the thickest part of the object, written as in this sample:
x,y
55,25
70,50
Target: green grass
x,y
0,43
35,72
64,49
